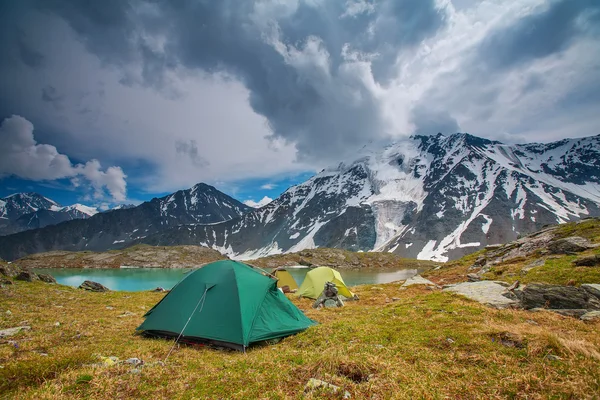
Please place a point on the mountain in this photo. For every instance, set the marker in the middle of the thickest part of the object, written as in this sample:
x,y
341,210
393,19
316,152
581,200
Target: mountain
x,y
122,207
202,204
428,197
24,211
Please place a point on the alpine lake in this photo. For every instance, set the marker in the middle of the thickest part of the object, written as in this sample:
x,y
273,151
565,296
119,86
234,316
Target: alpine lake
x,y
140,279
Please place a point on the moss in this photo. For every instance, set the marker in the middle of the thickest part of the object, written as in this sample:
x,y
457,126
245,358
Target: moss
x,y
423,345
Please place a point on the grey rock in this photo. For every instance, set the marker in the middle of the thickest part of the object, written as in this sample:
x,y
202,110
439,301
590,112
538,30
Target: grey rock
x,y
577,312
418,280
46,278
27,276
493,246
315,384
9,270
93,286
589,261
591,316
473,277
539,295
534,264
485,292
572,244
592,288
5,281
552,357
13,331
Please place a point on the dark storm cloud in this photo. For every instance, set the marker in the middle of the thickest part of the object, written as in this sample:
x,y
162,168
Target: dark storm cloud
x,y
190,149
302,65
29,56
550,29
51,95
430,122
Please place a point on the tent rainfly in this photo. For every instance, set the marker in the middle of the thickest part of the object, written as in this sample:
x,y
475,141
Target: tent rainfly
x,y
315,280
225,303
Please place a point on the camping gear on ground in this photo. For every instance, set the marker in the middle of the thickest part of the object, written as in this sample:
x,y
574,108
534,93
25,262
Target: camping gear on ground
x,y
329,297
314,283
285,280
225,303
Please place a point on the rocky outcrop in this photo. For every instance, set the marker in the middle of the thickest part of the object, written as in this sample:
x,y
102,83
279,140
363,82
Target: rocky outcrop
x,y
9,270
572,244
589,261
418,280
490,293
27,276
592,288
46,278
93,286
591,316
539,295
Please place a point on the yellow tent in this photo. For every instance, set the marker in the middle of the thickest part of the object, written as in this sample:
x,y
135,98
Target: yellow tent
x,y
315,279
284,278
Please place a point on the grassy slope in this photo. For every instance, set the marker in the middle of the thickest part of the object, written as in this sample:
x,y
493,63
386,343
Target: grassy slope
x,y
339,258
403,344
558,269
139,255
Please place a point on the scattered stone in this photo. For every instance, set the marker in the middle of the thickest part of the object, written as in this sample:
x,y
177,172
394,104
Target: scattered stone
x,y
160,289
418,280
314,384
5,281
8,313
135,371
93,286
13,331
591,316
27,276
437,267
125,314
450,340
57,324
395,298
572,244
592,288
485,292
473,277
134,361
46,278
557,297
110,308
552,357
509,339
534,264
493,246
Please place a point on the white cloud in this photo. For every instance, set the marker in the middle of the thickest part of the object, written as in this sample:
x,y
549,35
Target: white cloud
x,y
22,156
268,186
265,200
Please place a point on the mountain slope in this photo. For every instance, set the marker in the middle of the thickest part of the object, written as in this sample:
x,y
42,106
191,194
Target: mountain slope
x,y
429,197
201,204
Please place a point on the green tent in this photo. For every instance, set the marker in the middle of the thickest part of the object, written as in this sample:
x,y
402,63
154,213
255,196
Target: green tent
x,y
315,279
226,303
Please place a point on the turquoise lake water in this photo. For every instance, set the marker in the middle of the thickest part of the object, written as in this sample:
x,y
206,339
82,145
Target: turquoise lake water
x,y
137,279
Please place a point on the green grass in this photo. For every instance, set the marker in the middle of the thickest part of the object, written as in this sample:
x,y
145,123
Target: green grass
x,y
426,344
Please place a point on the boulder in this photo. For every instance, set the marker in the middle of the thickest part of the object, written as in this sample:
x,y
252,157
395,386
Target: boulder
x,y
418,280
27,276
46,278
93,286
591,316
589,261
485,292
9,270
540,295
572,244
473,277
592,288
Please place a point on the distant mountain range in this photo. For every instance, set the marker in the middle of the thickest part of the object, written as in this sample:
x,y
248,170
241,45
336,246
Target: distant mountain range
x,y
429,197
24,211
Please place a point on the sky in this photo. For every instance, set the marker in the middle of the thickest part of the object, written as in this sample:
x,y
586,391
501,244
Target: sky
x,y
118,101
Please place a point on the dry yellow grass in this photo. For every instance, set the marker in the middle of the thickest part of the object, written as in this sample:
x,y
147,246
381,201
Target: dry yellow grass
x,y
399,344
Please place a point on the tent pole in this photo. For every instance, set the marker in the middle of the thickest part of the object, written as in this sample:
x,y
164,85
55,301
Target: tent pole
x,y
188,321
